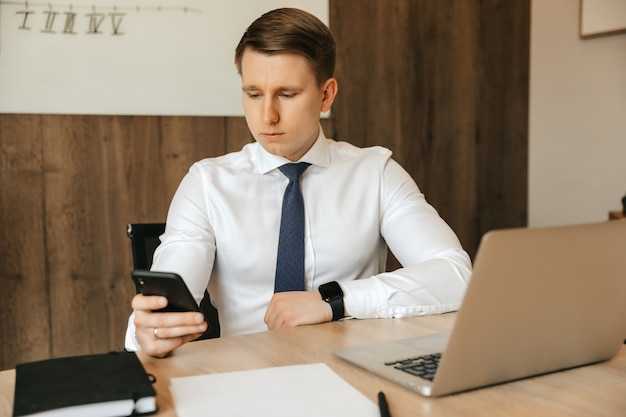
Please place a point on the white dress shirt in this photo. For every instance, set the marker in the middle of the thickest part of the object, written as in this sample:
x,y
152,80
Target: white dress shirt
x,y
223,224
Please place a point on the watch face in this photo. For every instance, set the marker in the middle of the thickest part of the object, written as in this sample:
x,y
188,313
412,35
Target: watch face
x,y
332,294
330,291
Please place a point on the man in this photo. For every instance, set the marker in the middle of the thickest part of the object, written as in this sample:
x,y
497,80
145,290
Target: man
x,y
224,224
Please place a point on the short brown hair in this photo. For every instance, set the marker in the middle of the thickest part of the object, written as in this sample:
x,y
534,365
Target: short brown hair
x,y
290,30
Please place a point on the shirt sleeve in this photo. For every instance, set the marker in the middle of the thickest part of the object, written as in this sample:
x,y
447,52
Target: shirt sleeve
x,y
187,246
435,268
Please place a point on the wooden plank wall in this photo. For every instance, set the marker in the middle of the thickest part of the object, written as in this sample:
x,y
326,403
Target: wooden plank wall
x,y
444,84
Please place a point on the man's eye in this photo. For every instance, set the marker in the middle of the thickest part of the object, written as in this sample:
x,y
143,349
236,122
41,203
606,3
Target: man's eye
x,y
287,95
254,95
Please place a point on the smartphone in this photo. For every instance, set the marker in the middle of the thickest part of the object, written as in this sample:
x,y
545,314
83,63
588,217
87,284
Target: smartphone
x,y
166,284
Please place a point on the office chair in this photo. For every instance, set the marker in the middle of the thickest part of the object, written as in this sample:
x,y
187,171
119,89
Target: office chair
x,y
144,238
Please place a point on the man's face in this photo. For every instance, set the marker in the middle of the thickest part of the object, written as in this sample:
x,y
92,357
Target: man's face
x,y
282,102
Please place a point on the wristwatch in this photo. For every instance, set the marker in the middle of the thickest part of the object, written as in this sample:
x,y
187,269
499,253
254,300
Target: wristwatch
x,y
332,294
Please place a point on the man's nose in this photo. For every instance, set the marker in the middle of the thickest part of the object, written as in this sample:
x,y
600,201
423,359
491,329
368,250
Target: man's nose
x,y
270,111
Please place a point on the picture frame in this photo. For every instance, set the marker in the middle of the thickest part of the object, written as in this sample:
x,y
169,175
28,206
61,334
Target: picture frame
x,y
602,18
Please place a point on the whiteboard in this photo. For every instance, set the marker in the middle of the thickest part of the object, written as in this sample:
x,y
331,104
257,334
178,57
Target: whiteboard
x,y
127,58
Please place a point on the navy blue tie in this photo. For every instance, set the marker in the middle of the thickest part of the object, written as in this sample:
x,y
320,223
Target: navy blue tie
x,y
290,259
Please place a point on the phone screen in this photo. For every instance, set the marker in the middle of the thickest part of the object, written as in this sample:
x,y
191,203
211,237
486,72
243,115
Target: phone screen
x,y
166,284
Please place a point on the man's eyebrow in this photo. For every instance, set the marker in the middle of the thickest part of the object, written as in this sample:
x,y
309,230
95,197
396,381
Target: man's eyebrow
x,y
279,89
290,88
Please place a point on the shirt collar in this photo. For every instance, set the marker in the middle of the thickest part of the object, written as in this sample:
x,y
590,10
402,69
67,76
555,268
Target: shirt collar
x,y
319,154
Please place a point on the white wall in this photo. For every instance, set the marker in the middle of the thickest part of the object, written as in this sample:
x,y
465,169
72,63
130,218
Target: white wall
x,y
577,131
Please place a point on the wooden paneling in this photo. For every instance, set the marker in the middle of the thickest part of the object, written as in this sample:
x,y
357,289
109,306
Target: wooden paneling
x,y
502,99
70,185
24,303
444,84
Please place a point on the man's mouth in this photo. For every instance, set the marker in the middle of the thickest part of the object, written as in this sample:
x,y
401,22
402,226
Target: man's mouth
x,y
272,135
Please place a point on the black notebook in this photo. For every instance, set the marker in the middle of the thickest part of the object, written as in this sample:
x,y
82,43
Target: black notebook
x,y
100,385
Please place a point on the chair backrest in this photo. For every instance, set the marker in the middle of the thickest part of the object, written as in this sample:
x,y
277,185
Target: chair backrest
x,y
144,238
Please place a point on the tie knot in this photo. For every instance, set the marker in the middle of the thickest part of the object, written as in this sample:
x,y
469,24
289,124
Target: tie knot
x,y
294,171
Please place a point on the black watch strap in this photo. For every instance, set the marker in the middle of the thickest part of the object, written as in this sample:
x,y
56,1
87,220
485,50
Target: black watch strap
x,y
331,293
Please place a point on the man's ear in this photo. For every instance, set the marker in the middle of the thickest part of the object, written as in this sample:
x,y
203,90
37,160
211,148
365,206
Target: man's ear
x,y
329,90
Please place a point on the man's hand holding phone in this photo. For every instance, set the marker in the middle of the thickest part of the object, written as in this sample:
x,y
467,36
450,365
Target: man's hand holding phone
x,y
166,315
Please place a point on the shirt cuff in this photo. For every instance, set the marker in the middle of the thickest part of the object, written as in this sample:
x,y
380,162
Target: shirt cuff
x,y
359,294
130,342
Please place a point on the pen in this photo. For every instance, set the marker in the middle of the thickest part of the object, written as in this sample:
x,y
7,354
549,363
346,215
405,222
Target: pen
x,y
382,404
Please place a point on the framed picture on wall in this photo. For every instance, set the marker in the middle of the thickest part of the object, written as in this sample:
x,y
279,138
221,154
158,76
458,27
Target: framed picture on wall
x,y
602,17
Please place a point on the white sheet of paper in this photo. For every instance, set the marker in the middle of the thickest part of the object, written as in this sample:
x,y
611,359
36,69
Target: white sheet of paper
x,y
287,391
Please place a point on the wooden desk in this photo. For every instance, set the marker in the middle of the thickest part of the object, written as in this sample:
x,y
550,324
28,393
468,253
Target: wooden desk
x,y
596,390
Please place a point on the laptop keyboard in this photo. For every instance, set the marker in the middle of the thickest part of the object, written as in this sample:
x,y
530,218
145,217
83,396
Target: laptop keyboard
x,y
422,366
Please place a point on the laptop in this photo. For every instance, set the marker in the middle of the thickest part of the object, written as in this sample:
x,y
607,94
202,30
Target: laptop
x,y
540,300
